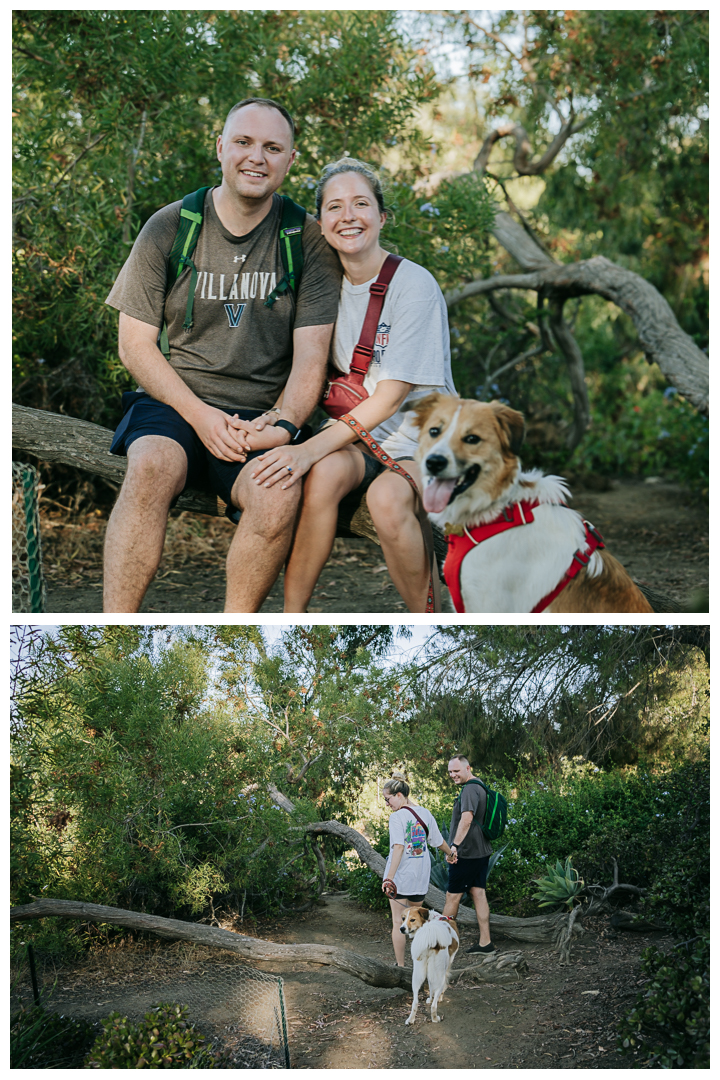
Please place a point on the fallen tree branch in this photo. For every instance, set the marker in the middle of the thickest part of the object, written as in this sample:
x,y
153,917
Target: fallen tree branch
x,y
662,339
373,972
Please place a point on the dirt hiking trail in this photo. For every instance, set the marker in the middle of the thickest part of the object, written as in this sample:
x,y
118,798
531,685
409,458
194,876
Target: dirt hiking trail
x,y
658,530
558,1016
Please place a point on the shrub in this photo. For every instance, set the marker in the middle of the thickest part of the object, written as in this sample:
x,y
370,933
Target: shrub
x,y
163,1039
669,1028
43,1040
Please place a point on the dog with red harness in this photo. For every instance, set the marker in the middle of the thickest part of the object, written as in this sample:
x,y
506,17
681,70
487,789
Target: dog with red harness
x,y
514,544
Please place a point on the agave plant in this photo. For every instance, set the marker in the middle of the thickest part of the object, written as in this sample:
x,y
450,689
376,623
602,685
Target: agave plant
x,y
560,885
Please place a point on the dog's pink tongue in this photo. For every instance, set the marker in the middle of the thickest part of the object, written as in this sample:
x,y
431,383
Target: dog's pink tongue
x,y
437,495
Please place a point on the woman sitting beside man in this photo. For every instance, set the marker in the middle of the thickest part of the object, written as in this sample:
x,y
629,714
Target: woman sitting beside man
x,y
411,358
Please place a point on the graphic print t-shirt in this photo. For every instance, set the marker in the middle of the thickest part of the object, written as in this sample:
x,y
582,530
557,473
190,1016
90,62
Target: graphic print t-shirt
x,y
412,345
413,874
238,352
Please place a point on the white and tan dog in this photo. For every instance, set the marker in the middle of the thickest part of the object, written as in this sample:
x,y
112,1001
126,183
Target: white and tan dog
x,y
434,941
476,491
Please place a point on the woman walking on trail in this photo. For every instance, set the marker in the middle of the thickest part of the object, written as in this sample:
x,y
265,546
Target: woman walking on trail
x,y
407,870
410,358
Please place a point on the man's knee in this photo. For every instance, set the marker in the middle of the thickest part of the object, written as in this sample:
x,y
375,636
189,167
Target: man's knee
x,y
269,512
157,467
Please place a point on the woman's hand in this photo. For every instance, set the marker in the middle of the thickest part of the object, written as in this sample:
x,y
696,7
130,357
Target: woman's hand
x,y
283,465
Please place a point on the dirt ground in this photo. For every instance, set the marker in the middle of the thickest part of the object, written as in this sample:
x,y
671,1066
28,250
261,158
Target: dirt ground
x,y
556,1017
657,529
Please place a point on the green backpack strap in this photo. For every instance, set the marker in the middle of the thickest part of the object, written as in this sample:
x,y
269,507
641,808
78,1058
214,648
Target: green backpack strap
x,y
186,238
292,224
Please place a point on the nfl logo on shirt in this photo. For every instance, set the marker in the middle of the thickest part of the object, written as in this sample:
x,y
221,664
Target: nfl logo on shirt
x,y
382,337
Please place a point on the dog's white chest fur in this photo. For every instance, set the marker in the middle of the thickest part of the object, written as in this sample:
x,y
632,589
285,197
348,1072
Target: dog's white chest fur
x,y
514,570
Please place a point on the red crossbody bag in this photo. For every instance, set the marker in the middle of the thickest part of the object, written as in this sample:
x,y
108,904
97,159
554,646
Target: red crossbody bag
x,y
345,390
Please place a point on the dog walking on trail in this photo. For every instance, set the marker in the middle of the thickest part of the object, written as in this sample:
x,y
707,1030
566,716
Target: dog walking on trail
x,y
407,871
470,851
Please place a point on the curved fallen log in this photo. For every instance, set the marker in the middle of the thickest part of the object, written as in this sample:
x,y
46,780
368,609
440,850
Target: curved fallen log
x,y
545,929
660,336
500,967
68,441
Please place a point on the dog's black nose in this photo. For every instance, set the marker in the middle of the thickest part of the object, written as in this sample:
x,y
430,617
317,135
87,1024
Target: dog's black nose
x,y
435,463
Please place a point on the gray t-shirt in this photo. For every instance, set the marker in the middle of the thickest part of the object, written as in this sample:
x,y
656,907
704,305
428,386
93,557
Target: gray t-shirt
x,y
474,846
238,352
412,345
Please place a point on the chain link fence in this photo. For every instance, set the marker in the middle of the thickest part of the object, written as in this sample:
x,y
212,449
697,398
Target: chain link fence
x,y
240,1009
28,586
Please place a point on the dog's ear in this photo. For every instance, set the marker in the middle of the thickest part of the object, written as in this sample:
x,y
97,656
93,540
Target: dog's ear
x,y
422,407
512,425
424,914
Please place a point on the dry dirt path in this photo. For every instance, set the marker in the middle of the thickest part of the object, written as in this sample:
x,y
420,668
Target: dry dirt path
x,y
559,1016
657,530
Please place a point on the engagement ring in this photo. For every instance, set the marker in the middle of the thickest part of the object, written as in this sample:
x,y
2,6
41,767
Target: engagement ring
x,y
288,469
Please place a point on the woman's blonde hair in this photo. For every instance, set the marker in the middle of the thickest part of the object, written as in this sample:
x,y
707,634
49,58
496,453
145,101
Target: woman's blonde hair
x,y
397,785
346,165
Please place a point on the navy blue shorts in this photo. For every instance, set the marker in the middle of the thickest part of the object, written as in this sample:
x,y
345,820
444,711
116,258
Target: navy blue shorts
x,y
143,415
467,874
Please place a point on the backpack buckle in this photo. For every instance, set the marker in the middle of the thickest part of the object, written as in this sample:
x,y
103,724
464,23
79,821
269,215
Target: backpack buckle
x,y
378,288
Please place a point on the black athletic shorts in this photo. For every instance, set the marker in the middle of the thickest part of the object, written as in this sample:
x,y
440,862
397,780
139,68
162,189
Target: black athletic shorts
x,y
143,415
466,874
412,899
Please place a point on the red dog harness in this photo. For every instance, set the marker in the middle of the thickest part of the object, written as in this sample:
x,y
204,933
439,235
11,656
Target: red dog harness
x,y
520,513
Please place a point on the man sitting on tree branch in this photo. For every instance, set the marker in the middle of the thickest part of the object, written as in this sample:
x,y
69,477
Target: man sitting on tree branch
x,y
242,378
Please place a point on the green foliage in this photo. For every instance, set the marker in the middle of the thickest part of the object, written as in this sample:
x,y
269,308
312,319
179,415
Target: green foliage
x,y
559,887
140,795
163,1039
40,1039
365,887
669,1027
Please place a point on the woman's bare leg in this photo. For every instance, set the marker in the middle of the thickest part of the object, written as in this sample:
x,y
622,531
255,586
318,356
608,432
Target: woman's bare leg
x,y
325,485
394,508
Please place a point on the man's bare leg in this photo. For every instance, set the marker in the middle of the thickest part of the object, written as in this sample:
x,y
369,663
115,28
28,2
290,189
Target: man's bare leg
x,y
482,910
261,542
157,467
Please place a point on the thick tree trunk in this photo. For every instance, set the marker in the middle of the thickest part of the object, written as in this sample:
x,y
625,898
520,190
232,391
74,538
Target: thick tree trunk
x,y
500,967
52,437
545,929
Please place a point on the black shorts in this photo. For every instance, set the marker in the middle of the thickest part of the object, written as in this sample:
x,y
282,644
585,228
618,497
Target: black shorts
x,y
373,468
143,415
467,874
412,899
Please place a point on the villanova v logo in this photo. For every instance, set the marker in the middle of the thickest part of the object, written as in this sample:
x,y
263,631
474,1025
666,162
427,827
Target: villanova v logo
x,y
234,313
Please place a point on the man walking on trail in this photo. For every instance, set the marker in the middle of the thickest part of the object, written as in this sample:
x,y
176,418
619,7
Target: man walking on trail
x,y
241,379
470,851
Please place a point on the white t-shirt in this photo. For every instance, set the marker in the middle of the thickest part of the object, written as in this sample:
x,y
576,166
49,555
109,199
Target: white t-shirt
x,y
412,876
412,345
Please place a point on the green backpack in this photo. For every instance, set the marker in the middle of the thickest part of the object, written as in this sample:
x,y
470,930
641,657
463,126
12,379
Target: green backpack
x,y
495,819
292,222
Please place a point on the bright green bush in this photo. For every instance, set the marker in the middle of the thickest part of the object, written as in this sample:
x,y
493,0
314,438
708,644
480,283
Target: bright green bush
x,y
163,1039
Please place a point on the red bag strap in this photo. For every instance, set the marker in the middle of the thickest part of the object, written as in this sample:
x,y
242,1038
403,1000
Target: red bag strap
x,y
418,818
363,351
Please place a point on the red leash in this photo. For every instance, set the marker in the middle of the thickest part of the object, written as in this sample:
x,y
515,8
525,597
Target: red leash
x,y
377,451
